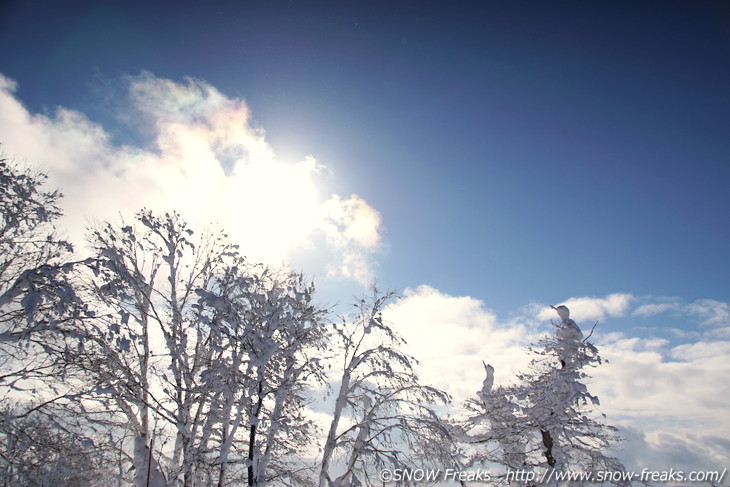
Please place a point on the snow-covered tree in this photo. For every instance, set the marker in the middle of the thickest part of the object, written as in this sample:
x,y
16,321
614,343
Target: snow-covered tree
x,y
145,352
35,450
197,361
28,237
38,304
383,416
268,340
40,313
548,420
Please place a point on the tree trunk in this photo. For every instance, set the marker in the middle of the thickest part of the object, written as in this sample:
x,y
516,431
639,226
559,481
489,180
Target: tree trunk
x,y
253,473
329,446
547,440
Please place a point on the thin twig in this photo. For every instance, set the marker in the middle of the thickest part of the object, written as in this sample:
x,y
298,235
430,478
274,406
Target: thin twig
x,y
591,333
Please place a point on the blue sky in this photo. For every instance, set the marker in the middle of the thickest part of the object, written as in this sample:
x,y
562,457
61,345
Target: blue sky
x,y
515,152
493,158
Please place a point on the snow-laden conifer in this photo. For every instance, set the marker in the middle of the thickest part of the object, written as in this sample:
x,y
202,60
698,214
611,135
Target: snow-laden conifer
x,y
548,421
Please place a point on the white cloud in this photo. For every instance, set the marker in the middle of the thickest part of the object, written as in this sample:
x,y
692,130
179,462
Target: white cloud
x,y
721,333
349,225
706,352
654,309
706,312
207,160
590,308
673,395
669,450
713,313
683,334
451,335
